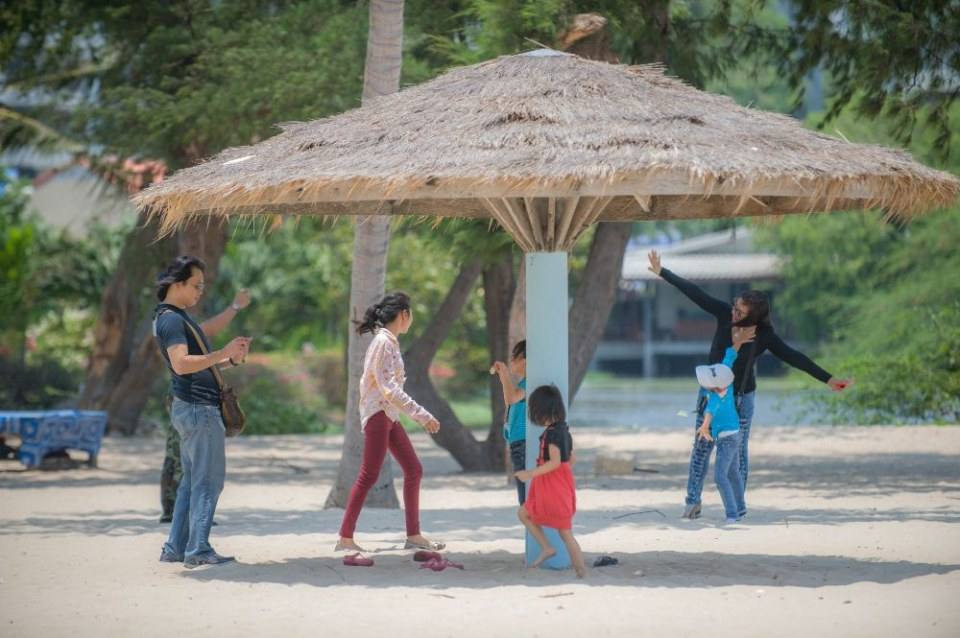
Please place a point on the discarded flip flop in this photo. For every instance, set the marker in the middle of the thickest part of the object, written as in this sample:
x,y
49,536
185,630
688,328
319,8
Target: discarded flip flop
x,y
433,546
604,561
440,564
423,556
357,560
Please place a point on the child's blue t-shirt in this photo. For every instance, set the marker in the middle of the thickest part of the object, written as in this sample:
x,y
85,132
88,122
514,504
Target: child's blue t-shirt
x,y
516,426
724,408
724,411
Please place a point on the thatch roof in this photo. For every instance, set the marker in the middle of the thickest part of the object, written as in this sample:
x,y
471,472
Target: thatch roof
x,y
547,143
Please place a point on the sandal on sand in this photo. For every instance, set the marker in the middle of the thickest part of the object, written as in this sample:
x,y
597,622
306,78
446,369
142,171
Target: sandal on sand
x,y
432,546
440,564
423,556
357,560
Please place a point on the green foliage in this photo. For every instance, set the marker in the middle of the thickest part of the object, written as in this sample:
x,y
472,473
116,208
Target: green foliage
x,y
45,272
692,37
828,260
18,243
904,346
180,81
885,58
40,384
886,292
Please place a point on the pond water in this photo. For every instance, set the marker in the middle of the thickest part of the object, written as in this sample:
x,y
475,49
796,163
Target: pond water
x,y
656,404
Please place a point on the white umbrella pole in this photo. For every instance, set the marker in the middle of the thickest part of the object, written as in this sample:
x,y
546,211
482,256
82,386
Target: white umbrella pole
x,y
547,360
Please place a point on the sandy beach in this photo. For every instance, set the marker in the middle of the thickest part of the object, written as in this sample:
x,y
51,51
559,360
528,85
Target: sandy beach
x,y
851,532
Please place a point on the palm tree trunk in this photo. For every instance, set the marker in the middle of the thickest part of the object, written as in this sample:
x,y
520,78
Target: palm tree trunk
x,y
370,248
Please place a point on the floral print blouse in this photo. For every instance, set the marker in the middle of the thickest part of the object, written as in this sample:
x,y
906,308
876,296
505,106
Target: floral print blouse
x,y
381,386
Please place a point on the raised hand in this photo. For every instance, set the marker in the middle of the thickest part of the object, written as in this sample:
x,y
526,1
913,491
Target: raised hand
x,y
654,266
742,335
242,298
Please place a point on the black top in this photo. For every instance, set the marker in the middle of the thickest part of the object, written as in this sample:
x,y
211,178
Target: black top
x,y
558,434
170,329
766,339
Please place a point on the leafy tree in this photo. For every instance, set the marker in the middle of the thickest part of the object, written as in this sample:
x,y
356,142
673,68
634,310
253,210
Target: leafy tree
x,y
899,60
885,292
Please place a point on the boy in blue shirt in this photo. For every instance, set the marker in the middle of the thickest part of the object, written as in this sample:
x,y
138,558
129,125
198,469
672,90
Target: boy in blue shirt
x,y
722,423
513,378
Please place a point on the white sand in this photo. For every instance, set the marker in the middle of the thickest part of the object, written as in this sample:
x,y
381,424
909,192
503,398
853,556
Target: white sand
x,y
851,532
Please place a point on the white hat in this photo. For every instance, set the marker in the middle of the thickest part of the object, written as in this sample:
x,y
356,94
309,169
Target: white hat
x,y
715,376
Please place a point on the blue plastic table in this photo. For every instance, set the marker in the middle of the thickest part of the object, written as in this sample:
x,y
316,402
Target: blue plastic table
x,y
42,432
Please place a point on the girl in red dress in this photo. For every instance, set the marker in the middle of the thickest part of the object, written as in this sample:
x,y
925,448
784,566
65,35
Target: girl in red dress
x,y
552,497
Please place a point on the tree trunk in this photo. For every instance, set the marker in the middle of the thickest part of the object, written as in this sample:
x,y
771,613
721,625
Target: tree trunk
x,y
122,308
471,454
595,296
124,330
596,293
370,245
499,285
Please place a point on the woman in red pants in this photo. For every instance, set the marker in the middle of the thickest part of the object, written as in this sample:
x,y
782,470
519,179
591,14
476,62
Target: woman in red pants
x,y
382,399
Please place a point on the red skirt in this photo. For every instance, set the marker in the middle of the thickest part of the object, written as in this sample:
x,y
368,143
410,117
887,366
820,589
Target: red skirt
x,y
552,498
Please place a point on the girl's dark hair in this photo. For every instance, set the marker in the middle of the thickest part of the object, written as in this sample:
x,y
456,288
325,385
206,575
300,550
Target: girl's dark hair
x,y
759,309
546,405
380,314
519,350
179,270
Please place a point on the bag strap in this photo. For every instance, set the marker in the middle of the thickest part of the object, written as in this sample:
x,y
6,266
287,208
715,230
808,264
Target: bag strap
x,y
203,348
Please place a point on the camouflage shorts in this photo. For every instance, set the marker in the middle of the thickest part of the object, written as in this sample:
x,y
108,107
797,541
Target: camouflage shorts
x,y
172,471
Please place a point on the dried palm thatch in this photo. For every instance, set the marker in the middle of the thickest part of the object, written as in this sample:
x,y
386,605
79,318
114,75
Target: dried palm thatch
x,y
547,143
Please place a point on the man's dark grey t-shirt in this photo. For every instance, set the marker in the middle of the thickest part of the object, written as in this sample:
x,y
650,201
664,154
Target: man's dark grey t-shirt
x,y
170,329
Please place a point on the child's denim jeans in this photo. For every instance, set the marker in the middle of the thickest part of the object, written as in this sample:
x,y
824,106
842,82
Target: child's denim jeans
x,y
729,480
700,454
518,458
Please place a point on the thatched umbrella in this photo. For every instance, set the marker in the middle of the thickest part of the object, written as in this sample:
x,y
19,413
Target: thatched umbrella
x,y
546,144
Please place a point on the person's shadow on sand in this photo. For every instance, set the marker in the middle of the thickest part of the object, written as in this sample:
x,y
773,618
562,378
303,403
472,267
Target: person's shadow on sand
x,y
645,569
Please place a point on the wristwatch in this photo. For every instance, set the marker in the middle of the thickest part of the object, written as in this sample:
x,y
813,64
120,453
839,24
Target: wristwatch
x,y
235,306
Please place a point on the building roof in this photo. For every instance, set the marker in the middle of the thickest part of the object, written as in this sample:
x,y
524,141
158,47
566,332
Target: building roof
x,y
750,267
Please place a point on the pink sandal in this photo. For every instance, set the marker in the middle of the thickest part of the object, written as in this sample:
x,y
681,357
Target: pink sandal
x,y
423,556
440,564
357,560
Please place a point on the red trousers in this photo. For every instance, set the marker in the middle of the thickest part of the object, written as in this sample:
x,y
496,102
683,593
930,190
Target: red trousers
x,y
380,434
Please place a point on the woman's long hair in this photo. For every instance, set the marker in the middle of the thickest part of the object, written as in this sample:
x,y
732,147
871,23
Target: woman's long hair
x,y
380,314
759,309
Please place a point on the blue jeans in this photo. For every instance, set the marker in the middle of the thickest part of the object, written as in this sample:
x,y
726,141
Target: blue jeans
x,y
203,457
700,454
518,458
727,474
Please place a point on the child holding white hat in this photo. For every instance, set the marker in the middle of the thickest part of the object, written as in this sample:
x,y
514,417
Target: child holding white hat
x,y
722,423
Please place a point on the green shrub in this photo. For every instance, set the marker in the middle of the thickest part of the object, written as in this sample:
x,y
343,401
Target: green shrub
x,y
37,385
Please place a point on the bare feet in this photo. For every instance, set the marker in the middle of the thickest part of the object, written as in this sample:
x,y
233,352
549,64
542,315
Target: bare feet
x,y
545,555
347,544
